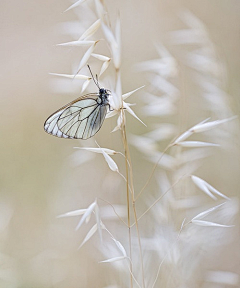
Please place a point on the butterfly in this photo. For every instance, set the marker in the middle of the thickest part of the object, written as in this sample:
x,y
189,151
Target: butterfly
x,y
81,118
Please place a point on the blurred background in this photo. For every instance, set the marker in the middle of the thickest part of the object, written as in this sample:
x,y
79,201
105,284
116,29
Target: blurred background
x,y
42,176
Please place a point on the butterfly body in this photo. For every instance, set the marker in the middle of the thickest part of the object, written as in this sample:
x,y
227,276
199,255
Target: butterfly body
x,y
81,118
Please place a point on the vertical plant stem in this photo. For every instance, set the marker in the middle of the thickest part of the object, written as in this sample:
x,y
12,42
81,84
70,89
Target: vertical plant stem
x,y
128,199
139,243
128,160
128,210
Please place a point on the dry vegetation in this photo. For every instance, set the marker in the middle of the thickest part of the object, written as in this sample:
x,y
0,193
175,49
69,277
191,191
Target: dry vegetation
x,y
152,199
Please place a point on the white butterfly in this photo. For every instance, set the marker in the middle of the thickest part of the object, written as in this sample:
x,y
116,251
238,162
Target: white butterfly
x,y
81,118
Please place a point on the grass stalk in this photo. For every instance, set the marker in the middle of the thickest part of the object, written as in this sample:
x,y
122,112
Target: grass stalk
x,y
130,178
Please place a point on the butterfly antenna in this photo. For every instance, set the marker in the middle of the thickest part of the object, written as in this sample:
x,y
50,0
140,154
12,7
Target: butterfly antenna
x,y
96,82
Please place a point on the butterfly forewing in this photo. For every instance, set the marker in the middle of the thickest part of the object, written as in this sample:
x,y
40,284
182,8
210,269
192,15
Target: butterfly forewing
x,y
94,122
80,119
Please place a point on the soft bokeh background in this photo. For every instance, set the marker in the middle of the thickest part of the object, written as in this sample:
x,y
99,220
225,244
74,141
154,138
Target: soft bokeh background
x,y
38,178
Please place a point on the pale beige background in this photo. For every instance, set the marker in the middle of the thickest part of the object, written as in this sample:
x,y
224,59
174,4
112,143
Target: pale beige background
x,y
37,180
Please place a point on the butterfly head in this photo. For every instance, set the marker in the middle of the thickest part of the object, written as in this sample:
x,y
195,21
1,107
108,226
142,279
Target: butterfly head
x,y
103,95
102,91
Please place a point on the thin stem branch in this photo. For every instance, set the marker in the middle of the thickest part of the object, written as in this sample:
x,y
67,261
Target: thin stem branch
x,y
114,211
159,198
153,170
174,243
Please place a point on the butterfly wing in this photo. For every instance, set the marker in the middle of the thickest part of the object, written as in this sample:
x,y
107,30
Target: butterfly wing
x,y
51,127
80,119
94,122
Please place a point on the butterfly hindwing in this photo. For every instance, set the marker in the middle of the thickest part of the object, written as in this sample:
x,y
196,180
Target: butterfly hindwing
x,y
50,126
